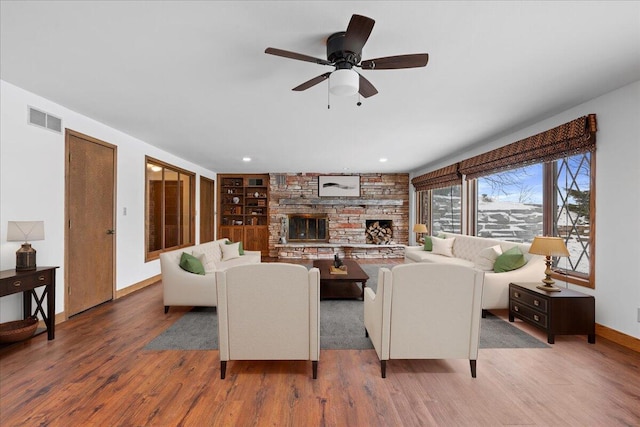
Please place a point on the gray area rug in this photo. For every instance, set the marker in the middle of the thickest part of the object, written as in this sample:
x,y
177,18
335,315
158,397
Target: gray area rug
x,y
341,327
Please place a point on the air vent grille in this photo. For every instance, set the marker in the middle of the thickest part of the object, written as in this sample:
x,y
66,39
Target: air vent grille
x,y
45,120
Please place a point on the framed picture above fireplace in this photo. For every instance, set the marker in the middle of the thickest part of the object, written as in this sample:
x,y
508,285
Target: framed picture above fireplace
x,y
339,186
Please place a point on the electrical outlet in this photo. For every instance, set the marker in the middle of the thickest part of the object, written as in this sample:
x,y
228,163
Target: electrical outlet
x,y
638,314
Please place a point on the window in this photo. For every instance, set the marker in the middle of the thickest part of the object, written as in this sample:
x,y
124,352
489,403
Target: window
x,y
572,213
440,209
170,208
509,204
512,205
540,185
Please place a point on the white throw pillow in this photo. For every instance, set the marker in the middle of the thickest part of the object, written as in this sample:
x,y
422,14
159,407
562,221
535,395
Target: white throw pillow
x,y
206,261
230,251
487,257
442,246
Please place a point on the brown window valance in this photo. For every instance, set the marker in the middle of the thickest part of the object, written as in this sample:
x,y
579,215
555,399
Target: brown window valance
x,y
444,177
577,136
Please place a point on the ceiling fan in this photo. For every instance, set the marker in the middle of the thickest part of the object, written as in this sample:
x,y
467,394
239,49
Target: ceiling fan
x,y
344,52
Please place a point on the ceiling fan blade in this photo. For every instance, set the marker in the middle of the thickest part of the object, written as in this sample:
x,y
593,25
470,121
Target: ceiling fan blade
x,y
294,55
314,81
395,62
357,33
366,88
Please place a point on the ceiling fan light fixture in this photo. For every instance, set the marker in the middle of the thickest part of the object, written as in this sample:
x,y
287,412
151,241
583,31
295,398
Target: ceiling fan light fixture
x,y
344,82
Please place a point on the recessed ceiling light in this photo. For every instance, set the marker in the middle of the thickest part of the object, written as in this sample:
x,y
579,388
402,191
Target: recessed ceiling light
x,y
382,160
246,159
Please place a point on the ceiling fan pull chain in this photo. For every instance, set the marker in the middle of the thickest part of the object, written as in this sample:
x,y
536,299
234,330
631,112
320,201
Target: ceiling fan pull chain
x,y
328,98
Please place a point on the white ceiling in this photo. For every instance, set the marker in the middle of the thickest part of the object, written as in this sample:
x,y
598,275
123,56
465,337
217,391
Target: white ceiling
x,y
192,78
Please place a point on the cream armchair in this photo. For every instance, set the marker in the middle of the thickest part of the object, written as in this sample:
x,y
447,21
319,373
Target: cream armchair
x,y
425,311
269,311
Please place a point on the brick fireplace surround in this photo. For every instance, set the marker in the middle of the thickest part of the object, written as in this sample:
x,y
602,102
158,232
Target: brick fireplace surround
x,y
382,197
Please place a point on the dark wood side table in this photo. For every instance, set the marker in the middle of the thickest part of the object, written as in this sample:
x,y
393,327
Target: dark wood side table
x,y
567,312
12,282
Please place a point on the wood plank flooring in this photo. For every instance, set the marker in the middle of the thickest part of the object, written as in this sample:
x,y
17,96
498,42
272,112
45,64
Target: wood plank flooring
x,y
96,373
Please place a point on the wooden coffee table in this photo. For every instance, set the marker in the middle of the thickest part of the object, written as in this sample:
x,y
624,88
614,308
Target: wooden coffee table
x,y
341,286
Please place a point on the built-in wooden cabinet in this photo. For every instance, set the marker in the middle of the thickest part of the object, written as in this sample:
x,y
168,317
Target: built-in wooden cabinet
x,y
243,202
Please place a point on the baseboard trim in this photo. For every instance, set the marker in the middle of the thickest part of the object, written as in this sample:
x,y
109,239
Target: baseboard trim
x,y
137,286
617,337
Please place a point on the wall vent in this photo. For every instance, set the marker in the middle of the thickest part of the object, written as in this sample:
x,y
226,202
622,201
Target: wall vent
x,y
45,120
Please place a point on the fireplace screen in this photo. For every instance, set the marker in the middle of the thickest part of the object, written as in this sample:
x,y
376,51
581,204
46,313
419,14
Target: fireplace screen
x,y
308,228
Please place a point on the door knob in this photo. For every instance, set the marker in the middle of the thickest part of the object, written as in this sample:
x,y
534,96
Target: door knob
x,y
111,231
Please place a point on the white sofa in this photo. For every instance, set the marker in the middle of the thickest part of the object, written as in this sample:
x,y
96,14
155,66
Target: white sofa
x,y
496,285
425,311
269,311
183,288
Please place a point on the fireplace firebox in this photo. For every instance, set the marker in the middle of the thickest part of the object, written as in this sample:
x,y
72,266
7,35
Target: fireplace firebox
x,y
308,228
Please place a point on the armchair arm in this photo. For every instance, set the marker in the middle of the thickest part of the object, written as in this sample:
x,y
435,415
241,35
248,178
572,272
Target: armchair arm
x,y
374,313
314,314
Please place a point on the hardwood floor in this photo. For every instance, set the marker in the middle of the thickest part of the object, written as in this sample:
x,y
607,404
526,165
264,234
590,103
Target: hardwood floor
x,y
97,373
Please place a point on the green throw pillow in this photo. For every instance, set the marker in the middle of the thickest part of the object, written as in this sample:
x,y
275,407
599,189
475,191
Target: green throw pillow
x,y
511,259
240,250
428,244
191,264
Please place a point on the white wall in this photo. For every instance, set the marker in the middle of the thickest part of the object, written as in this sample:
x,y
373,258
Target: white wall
x,y
617,290
32,188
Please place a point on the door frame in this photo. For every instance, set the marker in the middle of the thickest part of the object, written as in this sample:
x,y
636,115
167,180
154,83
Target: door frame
x,y
68,134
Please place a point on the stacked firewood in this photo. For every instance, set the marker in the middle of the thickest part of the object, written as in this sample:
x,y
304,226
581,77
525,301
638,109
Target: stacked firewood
x,y
378,234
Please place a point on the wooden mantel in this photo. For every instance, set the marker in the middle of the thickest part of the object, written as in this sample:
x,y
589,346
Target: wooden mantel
x,y
342,201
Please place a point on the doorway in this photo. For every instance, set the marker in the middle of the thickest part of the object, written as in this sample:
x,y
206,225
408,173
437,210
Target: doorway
x,y
207,222
90,174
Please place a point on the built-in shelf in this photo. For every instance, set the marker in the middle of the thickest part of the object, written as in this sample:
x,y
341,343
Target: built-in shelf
x,y
344,201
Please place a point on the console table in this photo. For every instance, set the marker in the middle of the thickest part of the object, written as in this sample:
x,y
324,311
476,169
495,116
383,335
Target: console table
x,y
12,282
567,312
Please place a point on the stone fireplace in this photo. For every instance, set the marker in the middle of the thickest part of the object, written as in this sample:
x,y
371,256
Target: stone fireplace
x,y
319,227
378,232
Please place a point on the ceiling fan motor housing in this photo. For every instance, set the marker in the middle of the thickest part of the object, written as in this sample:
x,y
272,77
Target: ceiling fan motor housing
x,y
337,54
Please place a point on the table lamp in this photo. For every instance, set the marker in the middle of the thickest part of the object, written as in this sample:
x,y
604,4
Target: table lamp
x,y
25,231
548,246
420,229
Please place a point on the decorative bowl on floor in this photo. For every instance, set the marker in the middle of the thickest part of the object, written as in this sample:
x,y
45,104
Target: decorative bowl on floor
x,y
18,330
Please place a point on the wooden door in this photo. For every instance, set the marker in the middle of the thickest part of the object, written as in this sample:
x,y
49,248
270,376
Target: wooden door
x,y
90,218
207,225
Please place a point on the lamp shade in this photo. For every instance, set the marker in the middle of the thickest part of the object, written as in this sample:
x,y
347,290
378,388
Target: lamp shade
x,y
548,246
420,228
344,82
25,231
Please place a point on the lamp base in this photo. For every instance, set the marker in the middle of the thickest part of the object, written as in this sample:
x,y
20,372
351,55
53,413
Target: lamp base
x,y
26,258
549,288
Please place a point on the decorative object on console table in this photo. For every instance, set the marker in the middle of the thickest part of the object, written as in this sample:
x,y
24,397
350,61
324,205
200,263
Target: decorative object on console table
x,y
567,312
548,246
25,231
420,229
